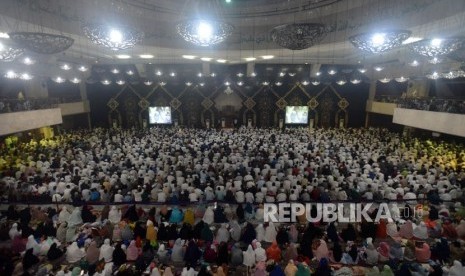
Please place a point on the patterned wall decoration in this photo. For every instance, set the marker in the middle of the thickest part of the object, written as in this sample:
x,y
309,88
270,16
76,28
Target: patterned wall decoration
x,y
263,105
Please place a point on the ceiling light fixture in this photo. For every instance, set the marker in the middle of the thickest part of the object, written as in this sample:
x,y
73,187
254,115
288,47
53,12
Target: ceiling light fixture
x,y
147,82
240,83
433,76
385,80
355,81
172,74
205,59
115,38
332,72
146,56
316,82
380,41
379,68
278,83
65,67
240,75
75,80
212,75
83,68
115,70
120,82
436,47
414,63
130,72
401,79
298,36
204,33
28,61
250,58
9,53
26,76
341,82
106,82
158,73
123,56
188,56
221,60
42,43
162,83
305,83
11,74
59,80
268,57
188,83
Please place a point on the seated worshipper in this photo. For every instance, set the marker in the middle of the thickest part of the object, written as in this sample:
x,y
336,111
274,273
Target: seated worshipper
x,y
132,252
74,254
274,252
106,251
249,256
114,216
320,249
260,253
163,254
14,231
210,254
422,252
92,253
177,252
193,254
119,256
290,269
237,255
29,259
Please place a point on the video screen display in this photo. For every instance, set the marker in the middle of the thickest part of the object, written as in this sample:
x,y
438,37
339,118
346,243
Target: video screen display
x,y
296,114
160,115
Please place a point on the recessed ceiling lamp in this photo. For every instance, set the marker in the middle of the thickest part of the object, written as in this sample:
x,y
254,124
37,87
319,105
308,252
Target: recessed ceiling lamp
x,y
172,74
199,75
205,59
123,56
437,46
106,82
188,56
75,80
250,58
115,70
204,33
355,81
414,63
385,80
402,79
380,41
362,70
115,38
120,82
433,76
435,60
83,68
227,83
411,39
26,76
305,83
28,61
130,72
379,68
265,83
318,73
240,75
159,73
202,84
212,75
278,83
188,83
162,83
65,66
292,74
253,74
59,80
146,56
147,82
268,57
315,82
11,74
332,72
240,83
341,82
221,60
4,35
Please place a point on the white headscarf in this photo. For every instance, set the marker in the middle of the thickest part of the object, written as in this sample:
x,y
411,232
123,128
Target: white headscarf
x,y
74,253
75,217
249,256
260,230
64,215
208,217
270,233
155,272
14,231
223,234
106,251
260,253
114,216
32,243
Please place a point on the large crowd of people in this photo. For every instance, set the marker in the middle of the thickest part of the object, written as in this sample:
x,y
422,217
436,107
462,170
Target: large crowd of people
x,y
176,201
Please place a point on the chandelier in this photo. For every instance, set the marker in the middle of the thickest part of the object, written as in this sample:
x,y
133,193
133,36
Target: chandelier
x,y
118,38
379,42
204,32
436,47
42,43
298,36
9,54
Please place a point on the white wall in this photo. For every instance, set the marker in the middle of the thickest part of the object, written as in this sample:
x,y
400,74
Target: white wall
x,y
435,121
74,108
380,107
20,121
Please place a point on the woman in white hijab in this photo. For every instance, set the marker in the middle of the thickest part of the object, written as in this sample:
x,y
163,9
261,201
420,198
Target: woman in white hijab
x,y
75,218
155,272
14,231
74,254
114,215
248,256
188,271
168,272
235,230
162,254
260,230
61,232
260,253
64,215
208,217
106,251
223,234
270,233
177,254
32,243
